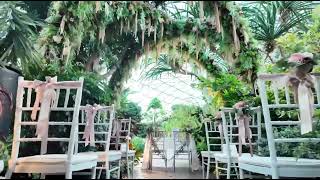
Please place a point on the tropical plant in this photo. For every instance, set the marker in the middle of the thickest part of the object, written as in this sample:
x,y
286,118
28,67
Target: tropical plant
x,y
138,146
225,90
16,46
155,103
306,41
270,20
182,117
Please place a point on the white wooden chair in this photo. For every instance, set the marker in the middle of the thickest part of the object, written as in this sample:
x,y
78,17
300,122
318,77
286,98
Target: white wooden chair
x,y
230,155
45,163
159,152
122,138
274,165
101,131
214,144
181,147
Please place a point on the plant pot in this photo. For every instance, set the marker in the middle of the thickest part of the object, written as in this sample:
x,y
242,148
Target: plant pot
x,y
8,83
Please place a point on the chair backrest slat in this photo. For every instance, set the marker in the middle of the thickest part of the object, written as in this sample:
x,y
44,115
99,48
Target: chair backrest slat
x,y
29,97
66,100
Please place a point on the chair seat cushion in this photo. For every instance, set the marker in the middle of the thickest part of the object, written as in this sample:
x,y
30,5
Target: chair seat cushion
x,y
281,161
223,157
209,153
112,155
57,158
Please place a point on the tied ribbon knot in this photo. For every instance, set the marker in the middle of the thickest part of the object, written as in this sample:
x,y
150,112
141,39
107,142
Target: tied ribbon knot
x,y
45,95
88,134
303,96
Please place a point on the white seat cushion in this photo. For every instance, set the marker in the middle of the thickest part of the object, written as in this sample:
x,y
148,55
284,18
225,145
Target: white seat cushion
x,y
281,161
102,155
57,158
209,153
223,157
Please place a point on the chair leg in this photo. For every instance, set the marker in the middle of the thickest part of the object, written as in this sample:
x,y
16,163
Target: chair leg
x,y
10,171
228,170
132,167
174,162
119,165
166,162
128,169
208,167
68,173
94,172
202,160
241,173
100,170
236,171
217,170
107,165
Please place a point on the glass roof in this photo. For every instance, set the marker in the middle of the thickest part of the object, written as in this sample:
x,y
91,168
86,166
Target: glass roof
x,y
170,89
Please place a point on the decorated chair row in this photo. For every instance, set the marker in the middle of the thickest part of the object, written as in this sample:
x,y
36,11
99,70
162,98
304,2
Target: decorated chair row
x,y
222,150
97,128
59,110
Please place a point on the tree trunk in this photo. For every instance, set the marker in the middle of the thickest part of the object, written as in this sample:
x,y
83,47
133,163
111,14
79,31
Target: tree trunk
x,y
93,62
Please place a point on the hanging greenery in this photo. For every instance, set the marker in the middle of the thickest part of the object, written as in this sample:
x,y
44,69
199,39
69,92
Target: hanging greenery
x,y
71,24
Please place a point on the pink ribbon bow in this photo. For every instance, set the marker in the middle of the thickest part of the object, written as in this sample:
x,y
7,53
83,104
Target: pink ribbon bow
x,y
303,96
88,135
244,131
46,96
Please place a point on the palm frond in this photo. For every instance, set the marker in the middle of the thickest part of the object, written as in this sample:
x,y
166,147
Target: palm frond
x,y
16,47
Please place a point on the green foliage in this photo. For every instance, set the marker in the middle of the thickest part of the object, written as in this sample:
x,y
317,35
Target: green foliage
x,y
138,146
155,103
298,150
182,117
127,108
270,20
302,41
225,90
17,30
248,64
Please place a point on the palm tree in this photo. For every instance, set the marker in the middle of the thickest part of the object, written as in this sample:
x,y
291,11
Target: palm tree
x,y
17,28
270,20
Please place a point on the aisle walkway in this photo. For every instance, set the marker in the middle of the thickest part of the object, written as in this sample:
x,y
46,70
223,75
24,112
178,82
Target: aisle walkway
x,y
159,171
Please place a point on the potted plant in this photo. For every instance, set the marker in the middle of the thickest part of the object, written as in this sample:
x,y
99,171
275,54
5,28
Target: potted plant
x,y
17,55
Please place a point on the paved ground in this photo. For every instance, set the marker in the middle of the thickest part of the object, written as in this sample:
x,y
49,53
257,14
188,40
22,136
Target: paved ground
x,y
159,171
